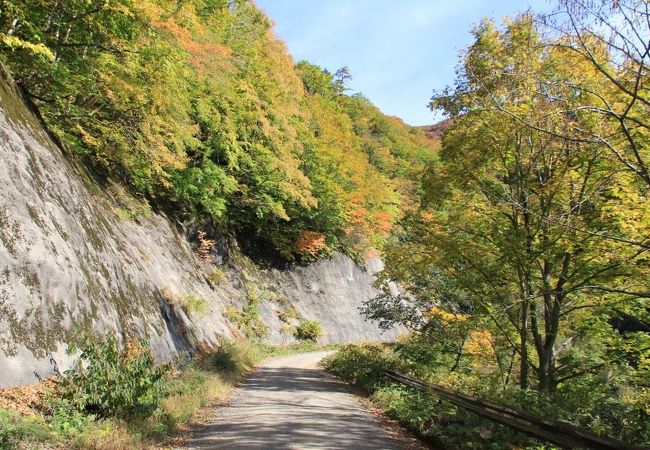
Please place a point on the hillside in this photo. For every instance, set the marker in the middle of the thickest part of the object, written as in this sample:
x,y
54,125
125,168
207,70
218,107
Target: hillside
x,y
167,143
180,199
437,130
199,111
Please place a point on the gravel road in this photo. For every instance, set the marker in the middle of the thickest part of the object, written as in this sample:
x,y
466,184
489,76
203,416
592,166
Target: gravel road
x,y
290,403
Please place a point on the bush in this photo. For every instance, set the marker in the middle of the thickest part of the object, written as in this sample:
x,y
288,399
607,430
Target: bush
x,y
192,304
309,330
112,382
249,318
66,419
216,277
415,409
362,365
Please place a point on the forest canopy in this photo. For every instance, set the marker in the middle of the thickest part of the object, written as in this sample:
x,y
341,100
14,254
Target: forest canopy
x,y
520,243
197,107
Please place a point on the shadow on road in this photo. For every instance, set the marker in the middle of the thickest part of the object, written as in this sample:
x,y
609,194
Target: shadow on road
x,y
293,408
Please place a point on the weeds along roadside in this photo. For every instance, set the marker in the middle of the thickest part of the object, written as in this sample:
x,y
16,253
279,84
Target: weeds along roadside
x,y
588,404
117,398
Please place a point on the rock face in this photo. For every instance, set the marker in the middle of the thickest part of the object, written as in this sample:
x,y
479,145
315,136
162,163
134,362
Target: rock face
x,y
69,261
330,291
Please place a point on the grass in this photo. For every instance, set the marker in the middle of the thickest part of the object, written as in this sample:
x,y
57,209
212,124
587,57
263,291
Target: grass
x,y
15,429
190,394
191,304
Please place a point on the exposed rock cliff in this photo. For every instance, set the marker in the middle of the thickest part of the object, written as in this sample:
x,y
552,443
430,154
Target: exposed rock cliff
x,y
70,260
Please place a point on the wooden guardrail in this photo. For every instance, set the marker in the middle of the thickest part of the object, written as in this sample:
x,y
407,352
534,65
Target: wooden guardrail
x,y
556,432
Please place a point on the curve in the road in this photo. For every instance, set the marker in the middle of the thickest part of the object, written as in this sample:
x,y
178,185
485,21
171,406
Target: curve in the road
x,y
289,403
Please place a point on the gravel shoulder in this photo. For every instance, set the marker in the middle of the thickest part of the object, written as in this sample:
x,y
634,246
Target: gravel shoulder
x,y
290,403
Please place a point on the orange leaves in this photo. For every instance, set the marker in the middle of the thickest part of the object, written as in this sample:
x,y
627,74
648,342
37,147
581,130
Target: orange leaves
x,y
204,54
204,248
357,216
383,222
479,343
310,243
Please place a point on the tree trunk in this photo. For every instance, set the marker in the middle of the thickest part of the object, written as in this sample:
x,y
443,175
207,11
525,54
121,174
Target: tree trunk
x,y
523,350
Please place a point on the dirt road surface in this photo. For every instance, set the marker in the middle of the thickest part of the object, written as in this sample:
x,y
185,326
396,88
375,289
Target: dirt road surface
x,y
290,403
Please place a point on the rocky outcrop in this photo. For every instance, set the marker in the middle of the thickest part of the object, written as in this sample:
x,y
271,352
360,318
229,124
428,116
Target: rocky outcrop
x,y
330,291
71,260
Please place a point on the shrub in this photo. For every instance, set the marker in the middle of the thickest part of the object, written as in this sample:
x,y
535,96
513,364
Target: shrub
x,y
289,315
249,318
417,410
362,365
113,382
66,419
192,304
309,330
216,277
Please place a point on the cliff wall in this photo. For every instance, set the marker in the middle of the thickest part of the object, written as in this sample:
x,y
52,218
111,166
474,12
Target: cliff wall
x,y
73,258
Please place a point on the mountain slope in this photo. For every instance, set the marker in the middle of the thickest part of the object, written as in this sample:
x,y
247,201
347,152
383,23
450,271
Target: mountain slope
x,y
197,107
73,261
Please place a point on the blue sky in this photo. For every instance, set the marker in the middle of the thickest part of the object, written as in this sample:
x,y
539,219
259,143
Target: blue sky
x,y
398,51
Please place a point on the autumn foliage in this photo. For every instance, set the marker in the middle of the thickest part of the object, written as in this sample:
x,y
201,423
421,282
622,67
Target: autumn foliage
x,y
199,108
310,243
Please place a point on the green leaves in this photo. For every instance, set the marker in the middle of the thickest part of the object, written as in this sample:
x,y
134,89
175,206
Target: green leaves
x,y
207,186
199,106
532,232
110,381
309,330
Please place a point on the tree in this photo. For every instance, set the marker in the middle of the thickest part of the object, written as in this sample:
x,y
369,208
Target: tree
x,y
497,237
611,37
199,108
341,78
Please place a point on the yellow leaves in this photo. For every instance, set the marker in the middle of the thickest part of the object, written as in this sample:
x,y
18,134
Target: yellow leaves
x,y
119,8
369,199
639,397
627,207
445,316
279,211
479,343
14,42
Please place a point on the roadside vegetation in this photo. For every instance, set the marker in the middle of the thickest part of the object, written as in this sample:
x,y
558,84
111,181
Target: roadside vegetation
x,y
309,331
117,398
520,245
600,402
